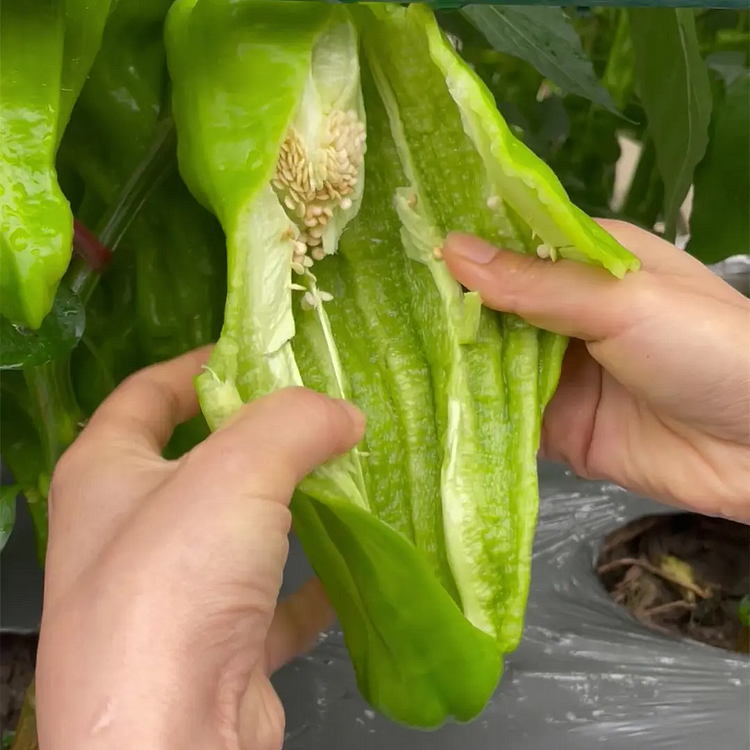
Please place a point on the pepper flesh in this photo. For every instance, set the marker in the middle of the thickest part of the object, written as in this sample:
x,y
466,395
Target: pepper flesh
x,y
421,535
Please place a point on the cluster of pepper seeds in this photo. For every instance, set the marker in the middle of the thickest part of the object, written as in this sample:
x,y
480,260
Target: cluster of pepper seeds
x,y
312,186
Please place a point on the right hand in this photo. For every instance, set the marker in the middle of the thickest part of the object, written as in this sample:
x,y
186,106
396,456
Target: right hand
x,y
655,389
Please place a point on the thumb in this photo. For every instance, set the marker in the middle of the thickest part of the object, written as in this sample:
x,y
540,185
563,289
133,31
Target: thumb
x,y
271,444
565,297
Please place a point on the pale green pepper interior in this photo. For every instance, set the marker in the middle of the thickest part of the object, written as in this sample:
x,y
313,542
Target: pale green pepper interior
x,y
428,524
473,373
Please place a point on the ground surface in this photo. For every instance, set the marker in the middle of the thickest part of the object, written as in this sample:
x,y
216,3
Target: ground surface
x,y
17,657
682,574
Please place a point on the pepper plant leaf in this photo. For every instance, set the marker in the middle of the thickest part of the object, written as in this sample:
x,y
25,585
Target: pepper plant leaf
x,y
675,91
545,38
8,496
720,222
59,333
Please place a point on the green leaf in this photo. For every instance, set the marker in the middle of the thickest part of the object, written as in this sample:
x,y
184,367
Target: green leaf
x,y
59,333
618,73
545,38
744,611
720,222
676,95
8,495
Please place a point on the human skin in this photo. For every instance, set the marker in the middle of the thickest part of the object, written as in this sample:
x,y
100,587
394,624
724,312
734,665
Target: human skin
x,y
655,389
161,625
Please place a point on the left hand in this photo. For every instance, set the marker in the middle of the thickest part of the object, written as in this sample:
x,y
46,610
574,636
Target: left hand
x,y
161,625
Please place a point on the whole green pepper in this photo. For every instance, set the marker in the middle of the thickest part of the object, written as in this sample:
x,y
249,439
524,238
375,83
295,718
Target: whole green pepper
x,y
46,49
85,21
36,226
335,179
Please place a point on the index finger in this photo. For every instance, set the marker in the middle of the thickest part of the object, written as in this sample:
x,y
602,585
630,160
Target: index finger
x,y
146,407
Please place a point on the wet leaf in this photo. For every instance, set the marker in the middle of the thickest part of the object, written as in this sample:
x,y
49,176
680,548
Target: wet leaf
x,y
59,333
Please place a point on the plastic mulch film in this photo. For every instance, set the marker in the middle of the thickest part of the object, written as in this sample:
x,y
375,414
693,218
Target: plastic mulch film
x,y
586,672
736,271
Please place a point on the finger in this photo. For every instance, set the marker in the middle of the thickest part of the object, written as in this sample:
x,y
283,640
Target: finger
x,y
273,443
656,254
145,408
568,298
569,419
297,624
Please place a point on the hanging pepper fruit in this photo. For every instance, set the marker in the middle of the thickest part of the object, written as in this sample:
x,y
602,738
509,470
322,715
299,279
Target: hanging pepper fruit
x,y
85,21
36,226
164,293
46,49
422,535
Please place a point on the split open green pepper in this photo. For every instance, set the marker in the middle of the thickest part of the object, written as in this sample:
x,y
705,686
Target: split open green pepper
x,y
338,147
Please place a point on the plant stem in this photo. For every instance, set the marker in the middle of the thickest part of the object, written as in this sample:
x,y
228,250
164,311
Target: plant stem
x,y
57,416
56,411
159,161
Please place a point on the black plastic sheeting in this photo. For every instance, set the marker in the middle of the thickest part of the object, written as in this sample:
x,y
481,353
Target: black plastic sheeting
x,y
586,673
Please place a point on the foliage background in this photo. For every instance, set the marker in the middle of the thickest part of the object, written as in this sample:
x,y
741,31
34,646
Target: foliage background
x,y
672,83
666,90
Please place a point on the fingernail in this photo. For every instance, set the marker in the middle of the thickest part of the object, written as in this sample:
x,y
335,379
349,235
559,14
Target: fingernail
x,y
470,248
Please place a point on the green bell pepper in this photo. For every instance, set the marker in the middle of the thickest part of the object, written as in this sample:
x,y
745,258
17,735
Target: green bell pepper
x,y
46,50
85,21
335,176
36,226
164,293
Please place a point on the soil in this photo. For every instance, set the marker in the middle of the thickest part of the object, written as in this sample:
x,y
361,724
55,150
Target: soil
x,y
682,574
17,660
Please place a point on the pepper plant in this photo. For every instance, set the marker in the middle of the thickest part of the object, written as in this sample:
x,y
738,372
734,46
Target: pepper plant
x,y
279,177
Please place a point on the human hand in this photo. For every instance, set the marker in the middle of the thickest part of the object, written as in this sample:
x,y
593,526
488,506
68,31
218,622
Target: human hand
x,y
655,393
161,625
